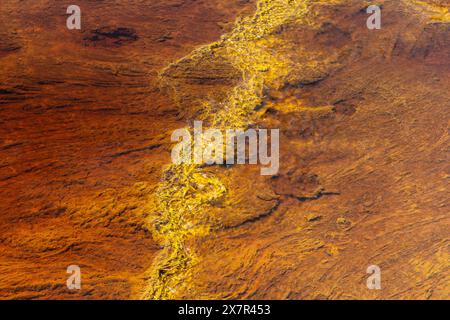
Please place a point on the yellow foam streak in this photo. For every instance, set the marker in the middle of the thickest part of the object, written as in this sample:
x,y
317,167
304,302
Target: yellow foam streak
x,y
187,190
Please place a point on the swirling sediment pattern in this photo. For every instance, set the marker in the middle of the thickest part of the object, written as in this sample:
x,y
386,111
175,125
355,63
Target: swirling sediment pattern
x,y
187,190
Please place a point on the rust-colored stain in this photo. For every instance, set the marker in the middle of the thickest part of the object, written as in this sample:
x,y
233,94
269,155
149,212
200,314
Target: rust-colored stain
x,y
86,176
